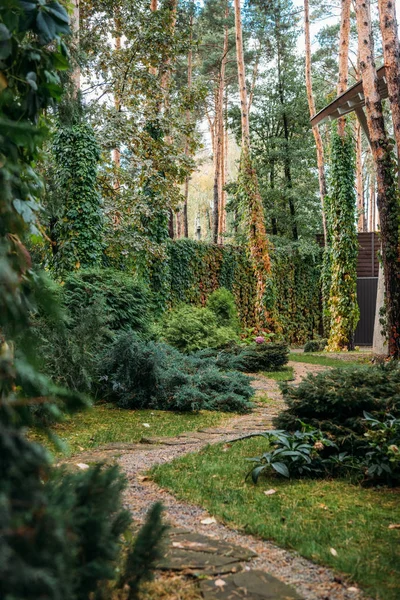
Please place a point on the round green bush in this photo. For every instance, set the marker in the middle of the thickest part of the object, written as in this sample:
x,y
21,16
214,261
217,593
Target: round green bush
x,y
335,400
189,328
222,304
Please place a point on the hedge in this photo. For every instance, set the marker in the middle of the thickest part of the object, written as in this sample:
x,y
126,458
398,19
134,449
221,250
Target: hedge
x,y
196,269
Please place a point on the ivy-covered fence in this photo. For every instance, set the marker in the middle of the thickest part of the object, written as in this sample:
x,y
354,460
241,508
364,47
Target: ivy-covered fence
x,y
195,269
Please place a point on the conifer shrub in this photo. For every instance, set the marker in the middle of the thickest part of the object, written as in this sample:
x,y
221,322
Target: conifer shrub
x,y
315,345
63,532
222,304
136,373
335,401
126,299
249,359
189,328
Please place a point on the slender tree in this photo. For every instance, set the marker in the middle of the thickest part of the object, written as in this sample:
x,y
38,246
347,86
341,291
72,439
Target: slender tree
x,y
343,58
251,199
388,195
311,105
391,53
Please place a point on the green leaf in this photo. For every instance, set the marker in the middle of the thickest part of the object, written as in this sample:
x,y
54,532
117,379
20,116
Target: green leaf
x,y
58,11
31,78
281,468
46,26
255,474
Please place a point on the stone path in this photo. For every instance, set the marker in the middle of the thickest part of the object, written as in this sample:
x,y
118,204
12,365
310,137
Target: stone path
x,y
229,565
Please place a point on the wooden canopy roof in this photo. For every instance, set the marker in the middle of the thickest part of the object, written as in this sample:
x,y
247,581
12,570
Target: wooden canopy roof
x,y
351,100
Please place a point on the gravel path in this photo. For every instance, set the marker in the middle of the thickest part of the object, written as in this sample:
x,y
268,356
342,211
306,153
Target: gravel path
x,y
311,581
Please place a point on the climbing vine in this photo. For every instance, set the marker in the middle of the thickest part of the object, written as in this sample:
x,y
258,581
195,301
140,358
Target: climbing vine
x,y
79,233
343,308
196,269
258,248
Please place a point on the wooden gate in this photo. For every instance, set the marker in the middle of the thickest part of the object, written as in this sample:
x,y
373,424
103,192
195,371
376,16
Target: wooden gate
x,y
366,298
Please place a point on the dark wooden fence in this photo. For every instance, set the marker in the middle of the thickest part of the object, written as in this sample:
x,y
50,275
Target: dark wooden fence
x,y
367,285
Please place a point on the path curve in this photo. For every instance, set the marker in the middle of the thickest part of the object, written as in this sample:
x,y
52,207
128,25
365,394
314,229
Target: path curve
x,y
311,581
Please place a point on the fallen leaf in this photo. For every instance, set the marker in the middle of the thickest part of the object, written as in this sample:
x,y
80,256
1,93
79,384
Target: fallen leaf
x,y
270,492
208,521
323,506
353,589
394,526
333,551
220,583
82,466
143,477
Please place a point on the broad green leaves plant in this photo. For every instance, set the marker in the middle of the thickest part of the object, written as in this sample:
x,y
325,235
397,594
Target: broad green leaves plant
x,y
291,454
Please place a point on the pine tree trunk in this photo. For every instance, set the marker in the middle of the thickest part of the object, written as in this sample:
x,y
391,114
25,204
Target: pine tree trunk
x,y
244,105
385,177
222,172
391,53
116,154
254,220
75,21
311,105
219,141
189,81
343,58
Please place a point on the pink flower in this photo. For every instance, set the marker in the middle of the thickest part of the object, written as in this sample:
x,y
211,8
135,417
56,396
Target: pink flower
x,y
260,339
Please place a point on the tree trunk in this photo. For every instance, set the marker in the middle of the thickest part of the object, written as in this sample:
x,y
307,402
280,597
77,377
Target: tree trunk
x,y
244,105
343,57
116,154
391,53
287,161
254,221
311,105
219,141
75,22
385,177
187,150
359,179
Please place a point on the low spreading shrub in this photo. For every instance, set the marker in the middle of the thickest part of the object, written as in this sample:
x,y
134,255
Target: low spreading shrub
x,y
136,373
250,358
334,401
189,328
315,345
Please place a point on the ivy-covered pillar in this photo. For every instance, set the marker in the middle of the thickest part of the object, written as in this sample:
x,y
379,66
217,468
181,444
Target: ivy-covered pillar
x,y
342,304
79,232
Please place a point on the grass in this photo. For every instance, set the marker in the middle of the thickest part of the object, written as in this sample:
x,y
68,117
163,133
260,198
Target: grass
x,y
105,423
329,361
309,516
284,374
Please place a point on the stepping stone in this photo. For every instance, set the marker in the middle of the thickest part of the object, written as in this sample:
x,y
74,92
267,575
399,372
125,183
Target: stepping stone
x,y
201,555
249,585
197,541
198,563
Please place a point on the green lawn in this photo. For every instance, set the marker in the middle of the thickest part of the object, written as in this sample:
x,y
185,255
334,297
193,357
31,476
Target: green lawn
x,y
284,374
330,361
310,516
104,424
